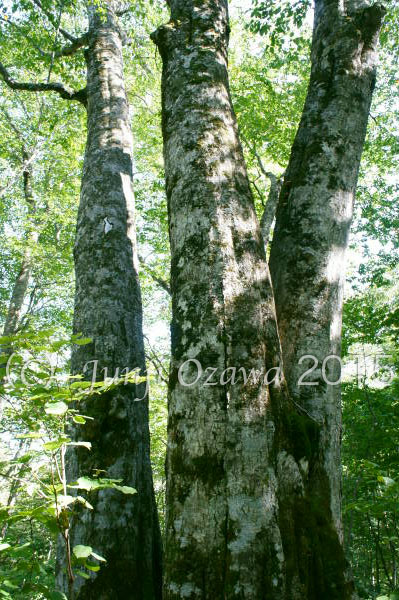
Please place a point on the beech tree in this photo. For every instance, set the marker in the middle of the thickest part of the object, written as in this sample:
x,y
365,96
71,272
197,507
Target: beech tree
x,y
253,477
123,529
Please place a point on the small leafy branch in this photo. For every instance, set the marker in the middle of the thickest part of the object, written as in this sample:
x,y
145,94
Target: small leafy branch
x,y
38,416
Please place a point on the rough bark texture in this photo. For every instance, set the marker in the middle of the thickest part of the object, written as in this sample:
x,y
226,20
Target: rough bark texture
x,y
315,210
248,501
122,528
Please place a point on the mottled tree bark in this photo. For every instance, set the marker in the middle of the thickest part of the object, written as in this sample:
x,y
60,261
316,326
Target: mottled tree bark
x,y
122,528
218,509
315,211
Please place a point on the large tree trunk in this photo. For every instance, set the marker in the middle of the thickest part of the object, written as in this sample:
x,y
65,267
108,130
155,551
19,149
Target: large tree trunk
x,y
220,505
122,528
315,211
248,506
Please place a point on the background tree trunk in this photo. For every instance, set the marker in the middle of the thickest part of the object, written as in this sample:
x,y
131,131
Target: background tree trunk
x,y
122,528
314,215
14,317
21,284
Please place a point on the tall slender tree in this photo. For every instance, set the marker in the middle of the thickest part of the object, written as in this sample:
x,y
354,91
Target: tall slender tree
x,y
20,288
123,529
251,492
15,314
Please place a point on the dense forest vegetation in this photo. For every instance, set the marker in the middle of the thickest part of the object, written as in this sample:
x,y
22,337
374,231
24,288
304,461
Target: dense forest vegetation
x,y
86,511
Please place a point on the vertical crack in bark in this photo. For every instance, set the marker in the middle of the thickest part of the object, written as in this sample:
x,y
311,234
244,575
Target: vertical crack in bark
x,y
226,441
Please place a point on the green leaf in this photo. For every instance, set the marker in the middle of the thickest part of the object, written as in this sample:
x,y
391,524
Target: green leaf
x,y
83,501
56,408
83,341
64,500
33,436
98,557
125,489
4,546
82,574
54,595
386,480
83,444
85,483
91,567
80,551
18,550
10,585
25,458
80,385
55,444
78,419
59,344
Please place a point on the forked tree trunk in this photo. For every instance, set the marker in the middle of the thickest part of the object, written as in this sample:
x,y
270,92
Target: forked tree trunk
x,y
315,211
122,528
248,495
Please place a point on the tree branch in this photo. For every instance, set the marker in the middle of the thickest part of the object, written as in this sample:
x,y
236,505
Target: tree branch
x,y
52,19
70,49
270,208
161,282
154,359
123,11
20,29
59,88
13,126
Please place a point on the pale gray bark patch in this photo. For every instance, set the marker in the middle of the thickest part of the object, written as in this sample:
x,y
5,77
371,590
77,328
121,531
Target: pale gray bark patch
x,y
315,212
122,528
